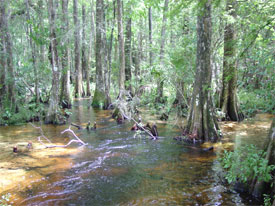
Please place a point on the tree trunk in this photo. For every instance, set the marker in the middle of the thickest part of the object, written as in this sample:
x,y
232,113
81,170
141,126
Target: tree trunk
x,y
128,54
201,118
65,98
85,68
99,95
92,41
105,62
9,72
2,52
33,51
41,24
10,69
179,101
111,45
52,115
139,51
150,36
78,70
229,101
116,58
121,48
160,84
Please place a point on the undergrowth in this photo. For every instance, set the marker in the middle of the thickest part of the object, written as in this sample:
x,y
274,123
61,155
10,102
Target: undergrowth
x,y
256,101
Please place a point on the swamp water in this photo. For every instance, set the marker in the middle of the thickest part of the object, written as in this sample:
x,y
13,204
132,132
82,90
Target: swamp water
x,y
118,167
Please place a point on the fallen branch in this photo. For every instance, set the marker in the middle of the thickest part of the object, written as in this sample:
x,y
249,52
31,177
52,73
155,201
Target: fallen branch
x,y
140,125
71,131
77,126
42,134
78,140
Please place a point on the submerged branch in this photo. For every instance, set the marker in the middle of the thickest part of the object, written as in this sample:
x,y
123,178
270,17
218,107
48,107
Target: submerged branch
x,y
78,140
140,125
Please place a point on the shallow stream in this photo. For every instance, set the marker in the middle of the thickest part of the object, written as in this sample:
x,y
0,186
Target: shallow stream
x,y
118,167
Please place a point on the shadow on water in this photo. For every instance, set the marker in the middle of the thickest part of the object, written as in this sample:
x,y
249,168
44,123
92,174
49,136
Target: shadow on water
x,y
117,167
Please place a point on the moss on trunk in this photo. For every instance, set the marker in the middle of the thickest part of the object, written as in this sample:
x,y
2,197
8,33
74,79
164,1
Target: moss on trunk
x,y
99,99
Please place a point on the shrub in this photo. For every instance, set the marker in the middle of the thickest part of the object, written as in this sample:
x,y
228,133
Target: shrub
x,y
245,164
252,102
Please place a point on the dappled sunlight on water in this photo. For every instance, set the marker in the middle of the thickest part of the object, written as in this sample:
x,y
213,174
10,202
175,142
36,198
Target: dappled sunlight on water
x,y
117,167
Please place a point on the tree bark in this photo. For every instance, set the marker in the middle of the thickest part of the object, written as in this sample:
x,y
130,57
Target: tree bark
x,y
65,97
41,24
2,52
121,48
201,118
105,62
10,67
160,83
139,51
128,54
99,95
229,101
150,36
8,57
92,41
33,51
111,45
179,101
85,68
52,114
78,70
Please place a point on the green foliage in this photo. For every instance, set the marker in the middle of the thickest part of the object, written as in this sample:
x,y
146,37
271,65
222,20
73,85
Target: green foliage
x,y
4,200
267,200
245,164
25,113
252,102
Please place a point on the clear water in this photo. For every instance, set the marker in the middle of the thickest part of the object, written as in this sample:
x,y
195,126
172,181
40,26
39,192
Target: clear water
x,y
118,167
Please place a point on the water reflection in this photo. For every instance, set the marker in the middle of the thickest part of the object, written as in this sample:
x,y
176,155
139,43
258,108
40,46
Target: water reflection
x,y
116,168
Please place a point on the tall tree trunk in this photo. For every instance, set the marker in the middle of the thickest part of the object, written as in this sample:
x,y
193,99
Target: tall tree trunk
x,y
201,118
111,44
41,25
52,115
121,48
33,51
128,55
150,36
116,58
92,41
78,70
10,80
84,52
65,97
229,101
160,84
2,52
99,95
106,70
140,46
179,101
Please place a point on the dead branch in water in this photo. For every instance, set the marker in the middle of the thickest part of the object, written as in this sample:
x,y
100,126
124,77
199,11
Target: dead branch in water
x,y
128,108
78,140
140,125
